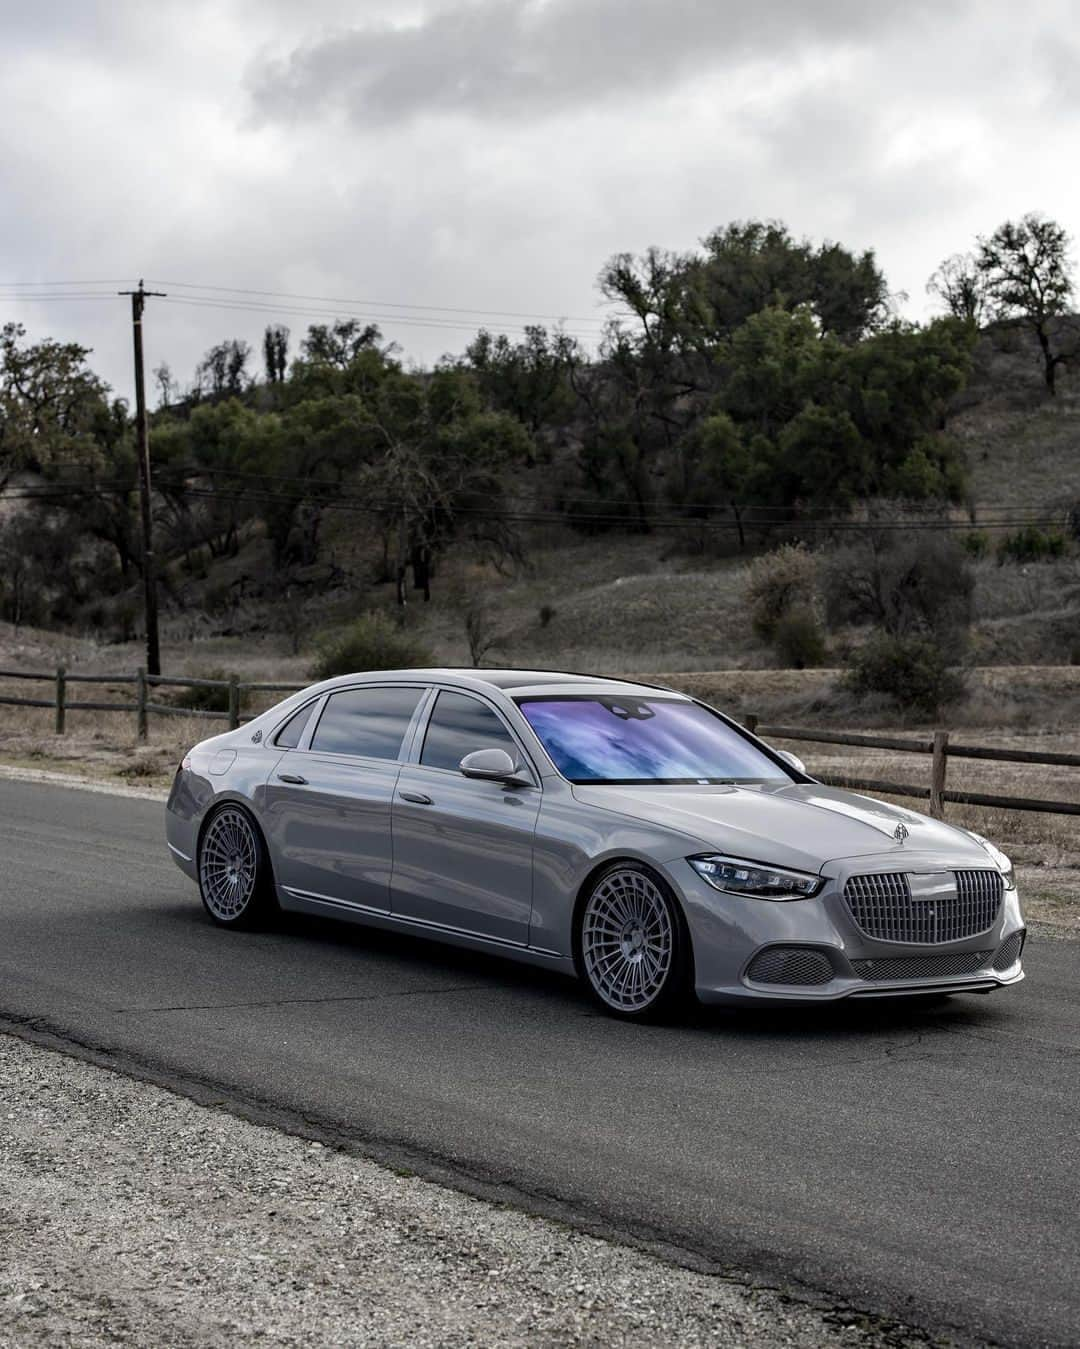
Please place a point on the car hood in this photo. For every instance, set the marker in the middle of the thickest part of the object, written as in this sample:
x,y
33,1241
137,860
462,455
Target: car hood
x,y
802,825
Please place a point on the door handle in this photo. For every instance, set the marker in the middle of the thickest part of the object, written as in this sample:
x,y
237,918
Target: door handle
x,y
294,778
417,798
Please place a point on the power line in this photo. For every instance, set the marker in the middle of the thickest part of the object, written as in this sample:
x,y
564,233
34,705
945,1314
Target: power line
x,y
254,307
376,506
383,304
42,285
22,289
74,295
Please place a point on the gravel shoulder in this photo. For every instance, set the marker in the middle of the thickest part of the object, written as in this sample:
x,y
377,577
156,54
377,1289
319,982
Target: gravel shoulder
x,y
129,1215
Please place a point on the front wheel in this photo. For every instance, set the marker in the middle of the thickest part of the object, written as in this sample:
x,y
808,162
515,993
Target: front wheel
x,y
234,872
633,943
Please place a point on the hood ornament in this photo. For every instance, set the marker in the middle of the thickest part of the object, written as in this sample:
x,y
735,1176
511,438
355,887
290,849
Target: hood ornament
x,y
900,833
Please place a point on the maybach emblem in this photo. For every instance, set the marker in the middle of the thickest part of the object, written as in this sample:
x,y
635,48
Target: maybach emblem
x,y
900,833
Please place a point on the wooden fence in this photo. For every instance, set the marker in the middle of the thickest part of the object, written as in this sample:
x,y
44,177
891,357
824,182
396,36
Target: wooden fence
x,y
142,705
938,746
940,750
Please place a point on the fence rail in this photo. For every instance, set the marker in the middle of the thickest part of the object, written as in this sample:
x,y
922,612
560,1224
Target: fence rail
x,y
142,706
940,750
937,746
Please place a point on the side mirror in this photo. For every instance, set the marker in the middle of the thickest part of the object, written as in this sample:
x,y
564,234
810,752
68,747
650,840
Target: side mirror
x,y
793,760
493,765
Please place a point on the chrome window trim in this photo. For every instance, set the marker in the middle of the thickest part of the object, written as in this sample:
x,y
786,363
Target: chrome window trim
x,y
271,739
305,745
417,746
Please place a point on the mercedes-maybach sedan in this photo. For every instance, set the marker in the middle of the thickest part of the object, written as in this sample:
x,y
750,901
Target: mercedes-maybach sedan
x,y
620,831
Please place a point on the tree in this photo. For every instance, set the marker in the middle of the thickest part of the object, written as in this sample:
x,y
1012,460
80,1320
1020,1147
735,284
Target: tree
x,y
528,379
1025,268
222,371
961,287
51,404
339,343
753,265
163,378
275,352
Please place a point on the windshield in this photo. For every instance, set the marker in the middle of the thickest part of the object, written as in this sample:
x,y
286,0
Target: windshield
x,y
598,738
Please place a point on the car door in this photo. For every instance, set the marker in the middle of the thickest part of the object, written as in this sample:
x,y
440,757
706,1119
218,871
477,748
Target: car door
x,y
329,797
463,848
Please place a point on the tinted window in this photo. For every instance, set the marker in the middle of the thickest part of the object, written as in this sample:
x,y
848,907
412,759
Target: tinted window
x,y
372,722
614,739
292,732
459,725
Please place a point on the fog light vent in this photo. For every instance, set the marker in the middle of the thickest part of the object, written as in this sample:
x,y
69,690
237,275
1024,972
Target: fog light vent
x,y
1009,951
790,965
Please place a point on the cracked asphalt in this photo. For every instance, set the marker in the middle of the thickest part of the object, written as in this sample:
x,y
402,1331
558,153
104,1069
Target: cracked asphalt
x,y
913,1162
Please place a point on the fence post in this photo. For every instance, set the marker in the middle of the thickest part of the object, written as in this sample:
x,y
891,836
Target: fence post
x,y
140,703
234,703
750,722
938,766
61,698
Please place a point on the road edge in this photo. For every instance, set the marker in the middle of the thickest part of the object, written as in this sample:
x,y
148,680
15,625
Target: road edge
x,y
405,1160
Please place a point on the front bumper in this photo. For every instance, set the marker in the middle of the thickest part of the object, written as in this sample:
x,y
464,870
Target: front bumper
x,y
731,936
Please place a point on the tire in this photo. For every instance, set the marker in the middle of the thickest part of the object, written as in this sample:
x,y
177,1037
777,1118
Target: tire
x,y
632,944
235,881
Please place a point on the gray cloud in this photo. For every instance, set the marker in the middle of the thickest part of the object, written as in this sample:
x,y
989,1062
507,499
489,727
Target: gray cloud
x,y
506,58
486,155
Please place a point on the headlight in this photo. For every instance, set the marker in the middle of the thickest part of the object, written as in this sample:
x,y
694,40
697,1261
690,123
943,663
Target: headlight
x,y
754,880
1003,863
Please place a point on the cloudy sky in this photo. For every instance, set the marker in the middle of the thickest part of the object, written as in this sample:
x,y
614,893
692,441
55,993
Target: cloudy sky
x,y
438,164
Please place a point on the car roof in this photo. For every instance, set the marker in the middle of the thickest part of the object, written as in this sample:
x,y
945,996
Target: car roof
x,y
511,680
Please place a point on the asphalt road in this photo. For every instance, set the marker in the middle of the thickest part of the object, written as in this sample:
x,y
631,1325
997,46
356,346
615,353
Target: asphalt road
x,y
920,1162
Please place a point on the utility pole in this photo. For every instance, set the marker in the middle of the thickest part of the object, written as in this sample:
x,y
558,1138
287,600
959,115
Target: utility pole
x,y
142,432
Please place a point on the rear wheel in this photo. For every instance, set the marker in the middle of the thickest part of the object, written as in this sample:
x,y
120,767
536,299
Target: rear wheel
x,y
234,872
633,944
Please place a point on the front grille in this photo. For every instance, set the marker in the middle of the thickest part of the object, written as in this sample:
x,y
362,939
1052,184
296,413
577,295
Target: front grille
x,y
882,907
922,967
790,965
1009,951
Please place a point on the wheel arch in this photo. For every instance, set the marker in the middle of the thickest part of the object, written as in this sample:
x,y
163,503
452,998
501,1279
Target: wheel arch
x,y
626,859
215,807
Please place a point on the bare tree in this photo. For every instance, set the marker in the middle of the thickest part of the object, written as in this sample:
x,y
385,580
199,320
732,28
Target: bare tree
x,y
223,369
163,378
961,287
481,631
1025,268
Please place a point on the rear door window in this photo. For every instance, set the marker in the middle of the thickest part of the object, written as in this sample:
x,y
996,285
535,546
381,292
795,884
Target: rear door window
x,y
458,725
369,722
292,732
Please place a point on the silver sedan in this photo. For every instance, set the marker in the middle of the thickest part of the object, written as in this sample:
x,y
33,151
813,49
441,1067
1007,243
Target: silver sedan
x,y
618,831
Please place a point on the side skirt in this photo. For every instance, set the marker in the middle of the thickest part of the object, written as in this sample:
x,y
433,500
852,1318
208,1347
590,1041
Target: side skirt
x,y
323,906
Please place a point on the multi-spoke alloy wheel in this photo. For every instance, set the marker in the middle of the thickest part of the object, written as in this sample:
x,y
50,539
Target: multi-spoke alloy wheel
x,y
630,941
230,862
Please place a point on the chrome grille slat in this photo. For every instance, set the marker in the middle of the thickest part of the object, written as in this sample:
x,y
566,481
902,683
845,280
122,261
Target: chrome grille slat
x,y
883,908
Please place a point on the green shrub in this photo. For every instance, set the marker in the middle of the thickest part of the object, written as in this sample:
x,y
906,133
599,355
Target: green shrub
x,y
777,583
373,642
799,640
203,700
913,672
976,544
1030,544
547,613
